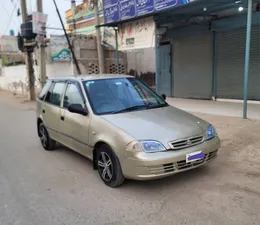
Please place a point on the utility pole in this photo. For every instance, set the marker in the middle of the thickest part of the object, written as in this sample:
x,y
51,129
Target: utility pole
x,y
247,57
68,40
42,51
98,33
73,8
28,57
24,10
117,56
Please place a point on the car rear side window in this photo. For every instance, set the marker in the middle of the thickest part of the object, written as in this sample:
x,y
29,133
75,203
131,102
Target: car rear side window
x,y
45,90
55,93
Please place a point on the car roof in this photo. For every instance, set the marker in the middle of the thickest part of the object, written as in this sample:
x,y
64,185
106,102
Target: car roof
x,y
91,77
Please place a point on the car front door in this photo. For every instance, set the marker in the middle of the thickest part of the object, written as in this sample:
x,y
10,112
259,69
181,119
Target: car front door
x,y
75,127
51,109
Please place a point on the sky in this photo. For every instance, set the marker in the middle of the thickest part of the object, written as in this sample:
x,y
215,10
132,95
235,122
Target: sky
x,y
9,19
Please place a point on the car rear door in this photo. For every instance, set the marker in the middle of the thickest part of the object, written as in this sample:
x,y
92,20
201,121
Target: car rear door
x,y
52,108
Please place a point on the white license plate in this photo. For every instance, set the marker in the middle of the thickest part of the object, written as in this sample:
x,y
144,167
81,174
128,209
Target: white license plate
x,y
195,156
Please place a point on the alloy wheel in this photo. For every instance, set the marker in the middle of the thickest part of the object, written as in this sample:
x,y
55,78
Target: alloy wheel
x,y
105,166
43,136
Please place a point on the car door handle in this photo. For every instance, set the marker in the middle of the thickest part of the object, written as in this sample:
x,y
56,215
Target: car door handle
x,y
62,118
43,111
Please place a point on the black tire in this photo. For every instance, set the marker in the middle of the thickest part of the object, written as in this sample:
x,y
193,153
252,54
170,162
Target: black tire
x,y
115,177
47,143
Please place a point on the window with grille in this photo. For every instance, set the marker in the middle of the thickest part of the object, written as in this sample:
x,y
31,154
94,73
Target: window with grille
x,y
121,69
93,68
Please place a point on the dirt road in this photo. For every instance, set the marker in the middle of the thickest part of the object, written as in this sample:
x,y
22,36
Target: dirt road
x,y
60,187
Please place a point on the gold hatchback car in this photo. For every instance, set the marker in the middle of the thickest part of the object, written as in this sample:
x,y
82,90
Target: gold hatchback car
x,y
125,128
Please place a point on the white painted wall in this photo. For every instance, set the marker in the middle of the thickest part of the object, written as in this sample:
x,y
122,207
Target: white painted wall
x,y
14,78
58,70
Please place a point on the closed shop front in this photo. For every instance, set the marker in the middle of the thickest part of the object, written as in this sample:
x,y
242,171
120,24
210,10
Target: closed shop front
x,y
230,63
192,66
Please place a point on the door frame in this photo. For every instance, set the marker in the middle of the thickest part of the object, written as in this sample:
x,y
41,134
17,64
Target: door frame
x,y
170,67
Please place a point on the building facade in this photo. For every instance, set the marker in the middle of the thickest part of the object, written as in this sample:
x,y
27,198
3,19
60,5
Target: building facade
x,y
9,52
137,56
84,19
200,46
207,59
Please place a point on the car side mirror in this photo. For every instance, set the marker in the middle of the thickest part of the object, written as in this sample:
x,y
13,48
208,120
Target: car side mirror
x,y
77,108
163,96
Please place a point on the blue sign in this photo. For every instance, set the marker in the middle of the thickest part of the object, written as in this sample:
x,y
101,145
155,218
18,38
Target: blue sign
x,y
127,9
109,3
144,7
11,32
162,4
111,14
117,10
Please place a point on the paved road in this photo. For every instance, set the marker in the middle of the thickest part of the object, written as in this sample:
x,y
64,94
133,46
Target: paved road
x,y
60,188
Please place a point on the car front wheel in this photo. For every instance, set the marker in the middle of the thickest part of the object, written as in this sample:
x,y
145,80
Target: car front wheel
x,y
109,167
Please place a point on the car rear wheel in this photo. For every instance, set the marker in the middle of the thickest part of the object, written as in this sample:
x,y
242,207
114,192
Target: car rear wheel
x,y
109,167
47,143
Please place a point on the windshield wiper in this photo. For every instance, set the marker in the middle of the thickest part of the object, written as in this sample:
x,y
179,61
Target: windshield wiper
x,y
131,108
150,106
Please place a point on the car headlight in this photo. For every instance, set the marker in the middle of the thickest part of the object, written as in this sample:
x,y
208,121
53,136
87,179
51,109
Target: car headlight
x,y
211,132
152,146
146,146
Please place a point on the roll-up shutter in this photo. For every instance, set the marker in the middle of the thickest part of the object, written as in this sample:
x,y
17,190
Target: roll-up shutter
x,y
192,66
230,62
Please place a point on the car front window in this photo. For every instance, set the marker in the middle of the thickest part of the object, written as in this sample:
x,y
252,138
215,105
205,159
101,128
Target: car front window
x,y
118,95
72,96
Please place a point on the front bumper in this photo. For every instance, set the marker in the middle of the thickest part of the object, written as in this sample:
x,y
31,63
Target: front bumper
x,y
148,166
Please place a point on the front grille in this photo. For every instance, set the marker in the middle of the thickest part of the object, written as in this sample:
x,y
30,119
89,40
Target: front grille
x,y
166,168
212,155
180,165
185,143
183,165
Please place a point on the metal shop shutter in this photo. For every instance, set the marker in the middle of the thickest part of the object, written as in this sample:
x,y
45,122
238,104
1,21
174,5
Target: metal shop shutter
x,y
192,66
230,62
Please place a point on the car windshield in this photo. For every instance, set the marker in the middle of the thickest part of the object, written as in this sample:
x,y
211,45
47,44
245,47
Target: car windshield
x,y
118,95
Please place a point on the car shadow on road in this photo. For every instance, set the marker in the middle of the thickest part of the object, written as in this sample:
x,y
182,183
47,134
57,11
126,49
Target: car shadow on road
x,y
172,182
81,160
178,179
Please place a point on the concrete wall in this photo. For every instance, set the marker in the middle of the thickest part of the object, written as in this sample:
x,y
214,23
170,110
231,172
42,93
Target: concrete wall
x,y
14,77
141,60
59,70
141,64
85,48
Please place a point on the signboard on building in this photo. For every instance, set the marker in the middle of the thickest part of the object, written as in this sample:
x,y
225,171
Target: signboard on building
x,y
59,49
84,11
88,30
39,23
9,44
136,34
108,37
117,10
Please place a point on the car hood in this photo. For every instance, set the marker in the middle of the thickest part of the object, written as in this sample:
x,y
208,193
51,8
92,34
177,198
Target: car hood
x,y
161,124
